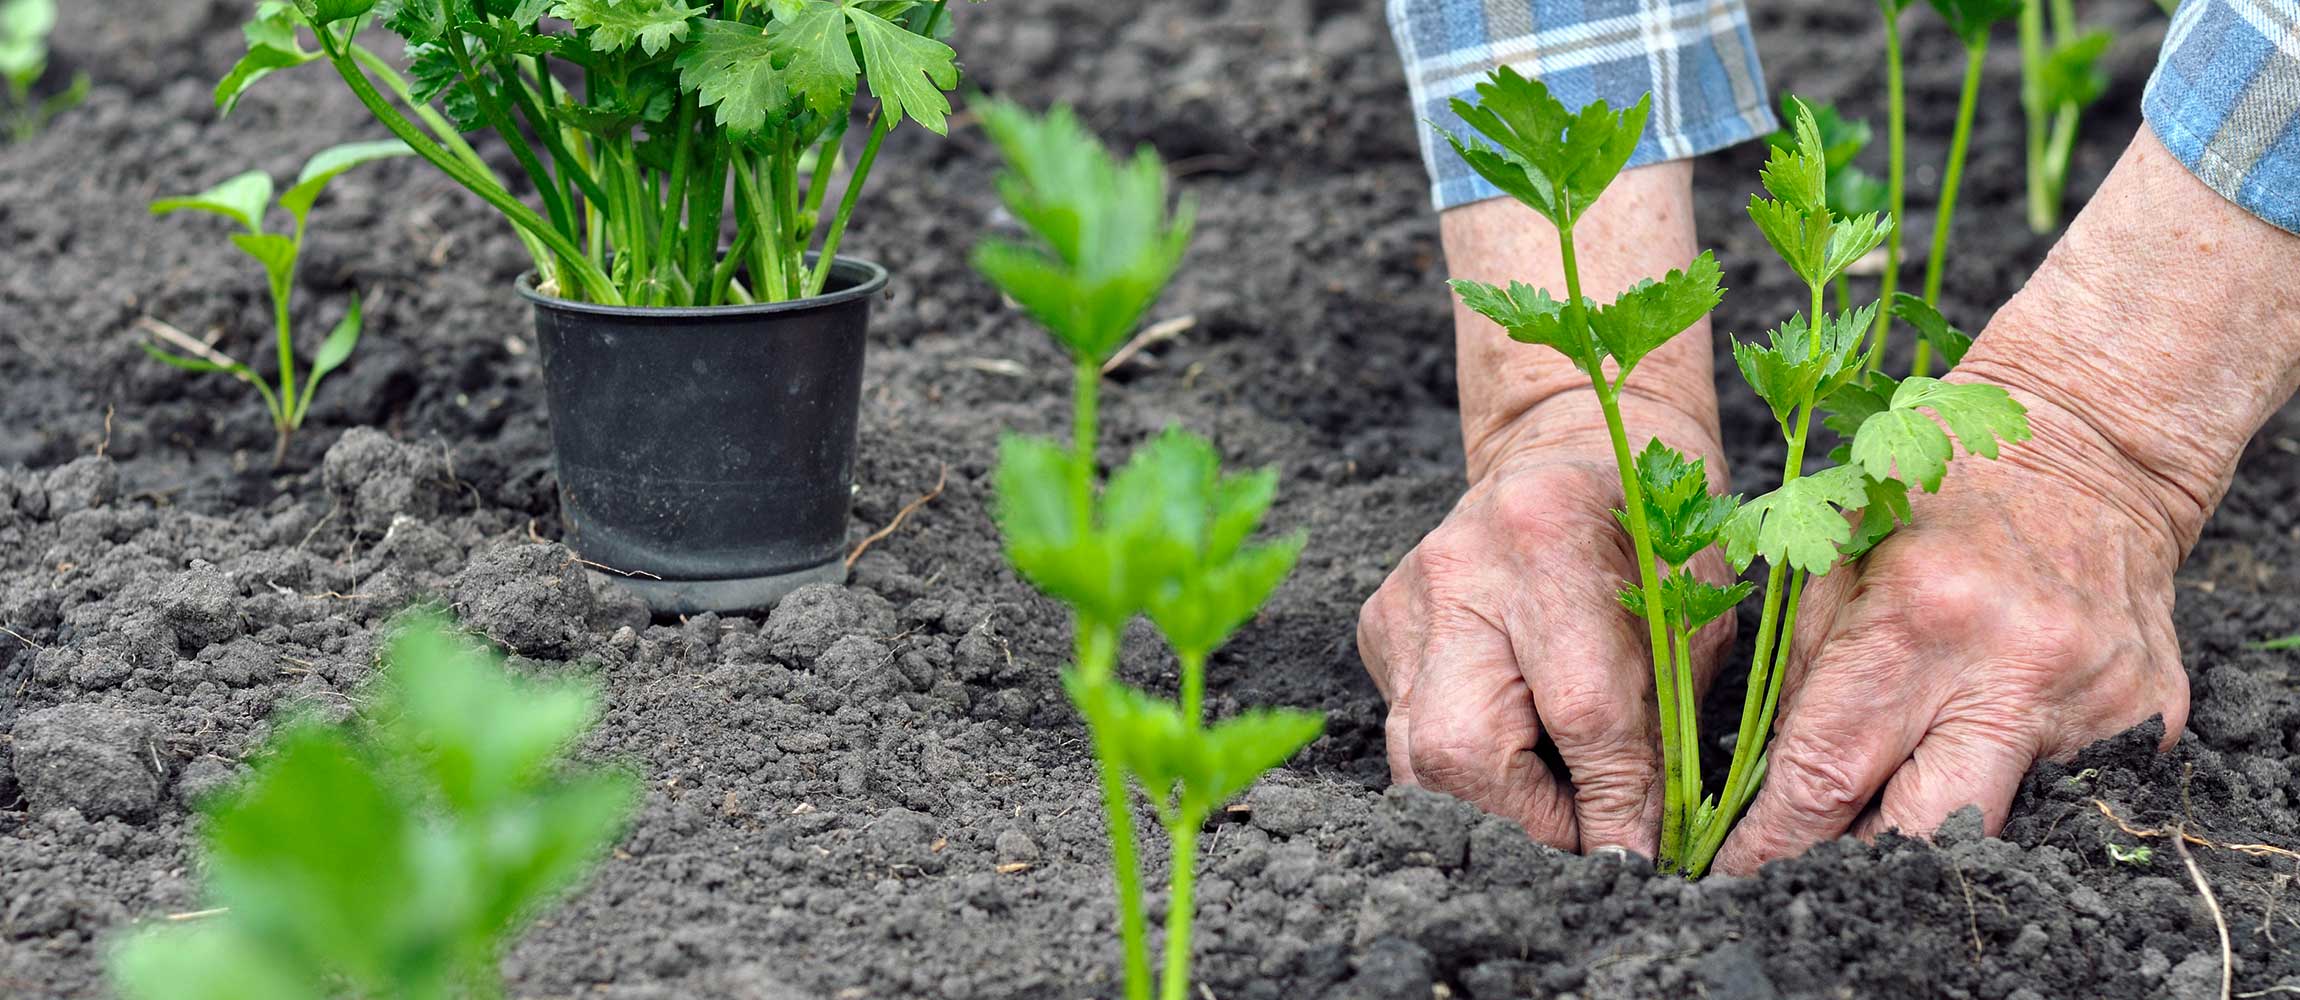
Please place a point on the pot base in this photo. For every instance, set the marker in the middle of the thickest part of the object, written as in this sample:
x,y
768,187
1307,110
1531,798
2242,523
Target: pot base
x,y
668,598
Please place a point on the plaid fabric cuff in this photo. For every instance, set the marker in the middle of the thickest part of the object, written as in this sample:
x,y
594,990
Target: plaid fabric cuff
x,y
1694,56
2225,99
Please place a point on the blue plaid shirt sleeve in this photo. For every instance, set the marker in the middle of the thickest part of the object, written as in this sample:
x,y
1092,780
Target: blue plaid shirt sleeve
x,y
2225,99
1694,56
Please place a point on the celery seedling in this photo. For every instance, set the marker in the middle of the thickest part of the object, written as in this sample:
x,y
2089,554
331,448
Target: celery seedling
x,y
1893,430
396,855
1168,536
1971,21
245,199
2060,77
1557,162
685,107
24,29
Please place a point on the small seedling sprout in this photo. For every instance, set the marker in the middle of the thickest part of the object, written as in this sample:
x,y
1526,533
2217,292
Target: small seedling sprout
x,y
1169,537
24,29
1557,162
245,200
398,854
2139,857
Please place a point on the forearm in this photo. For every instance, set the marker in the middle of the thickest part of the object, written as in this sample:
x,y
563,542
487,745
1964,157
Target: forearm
x,y
2155,340
1515,398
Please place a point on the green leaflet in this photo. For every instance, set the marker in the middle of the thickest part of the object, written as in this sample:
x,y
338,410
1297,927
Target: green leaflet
x,y
1689,602
1948,341
1530,316
1105,243
1680,512
393,856
731,67
1555,160
241,199
329,164
1904,442
1651,312
325,12
272,45
908,72
2071,73
1801,524
1189,771
616,25
24,29
1970,20
1799,364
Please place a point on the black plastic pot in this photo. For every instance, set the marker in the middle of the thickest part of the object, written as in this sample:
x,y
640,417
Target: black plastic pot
x,y
706,455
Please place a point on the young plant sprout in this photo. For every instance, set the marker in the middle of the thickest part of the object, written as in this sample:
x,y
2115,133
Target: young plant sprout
x,y
1168,537
245,199
24,29
679,103
1558,162
2060,77
396,855
1971,21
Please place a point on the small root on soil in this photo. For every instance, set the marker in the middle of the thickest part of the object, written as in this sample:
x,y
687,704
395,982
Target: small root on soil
x,y
941,480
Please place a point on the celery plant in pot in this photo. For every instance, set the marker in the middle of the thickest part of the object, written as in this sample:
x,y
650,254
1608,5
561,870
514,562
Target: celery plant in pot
x,y
686,173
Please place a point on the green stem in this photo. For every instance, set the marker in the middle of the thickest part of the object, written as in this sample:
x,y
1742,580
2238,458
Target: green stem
x,y
2032,64
766,260
666,241
1688,727
880,126
1097,660
1960,143
1896,174
491,110
283,289
1749,770
587,278
1193,686
1674,764
1181,906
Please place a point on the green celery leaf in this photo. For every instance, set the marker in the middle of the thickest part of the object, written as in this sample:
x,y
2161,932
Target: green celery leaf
x,y
544,841
1237,751
1799,524
326,12
1888,508
1802,237
1850,240
1950,342
215,961
1681,516
732,67
1970,20
1904,441
1043,516
313,855
1797,172
1854,191
482,735
330,164
820,64
1106,243
2071,73
1841,139
420,22
243,199
1530,316
1856,401
615,25
1647,315
908,72
1555,160
1200,611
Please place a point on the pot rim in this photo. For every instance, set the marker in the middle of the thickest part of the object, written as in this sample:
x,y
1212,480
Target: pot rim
x,y
872,279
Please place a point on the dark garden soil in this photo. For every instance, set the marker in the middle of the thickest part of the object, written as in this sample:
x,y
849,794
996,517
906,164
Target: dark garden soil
x,y
878,790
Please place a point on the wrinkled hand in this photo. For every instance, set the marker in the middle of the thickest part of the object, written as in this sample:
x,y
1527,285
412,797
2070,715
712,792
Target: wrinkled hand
x,y
2026,613
1501,627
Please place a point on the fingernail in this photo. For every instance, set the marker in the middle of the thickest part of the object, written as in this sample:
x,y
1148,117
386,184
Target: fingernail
x,y
1611,852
